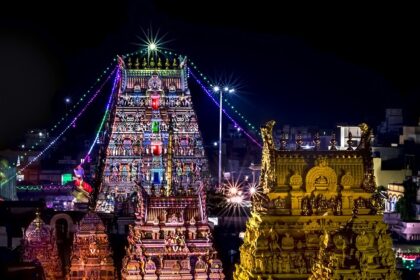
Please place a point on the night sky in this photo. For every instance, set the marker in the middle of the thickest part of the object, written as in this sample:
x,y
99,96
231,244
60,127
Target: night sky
x,y
303,65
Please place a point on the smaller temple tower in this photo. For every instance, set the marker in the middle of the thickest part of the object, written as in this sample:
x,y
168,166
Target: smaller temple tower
x,y
319,215
40,246
91,256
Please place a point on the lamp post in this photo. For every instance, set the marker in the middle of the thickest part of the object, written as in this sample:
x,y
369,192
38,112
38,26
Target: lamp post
x,y
67,100
220,91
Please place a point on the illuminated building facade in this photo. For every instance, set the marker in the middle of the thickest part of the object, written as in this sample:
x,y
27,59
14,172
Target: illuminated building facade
x,y
91,256
156,159
318,216
153,99
40,246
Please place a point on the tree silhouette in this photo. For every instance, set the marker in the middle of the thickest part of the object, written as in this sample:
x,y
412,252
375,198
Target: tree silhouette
x,y
405,206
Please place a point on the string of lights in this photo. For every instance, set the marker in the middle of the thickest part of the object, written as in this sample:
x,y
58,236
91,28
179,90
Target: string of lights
x,y
44,188
41,153
231,106
198,81
108,105
76,104
117,77
204,77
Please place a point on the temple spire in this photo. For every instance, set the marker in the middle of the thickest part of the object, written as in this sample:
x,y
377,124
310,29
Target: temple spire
x,y
333,143
317,142
299,141
283,142
350,142
130,63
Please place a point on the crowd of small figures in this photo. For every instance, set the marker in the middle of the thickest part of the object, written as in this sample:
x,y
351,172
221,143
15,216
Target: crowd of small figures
x,y
318,205
266,251
166,101
151,63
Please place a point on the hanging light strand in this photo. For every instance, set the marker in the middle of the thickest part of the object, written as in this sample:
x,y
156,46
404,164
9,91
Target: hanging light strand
x,y
116,79
205,89
41,153
99,78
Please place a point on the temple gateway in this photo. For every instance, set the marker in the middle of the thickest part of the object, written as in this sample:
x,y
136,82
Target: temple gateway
x,y
318,216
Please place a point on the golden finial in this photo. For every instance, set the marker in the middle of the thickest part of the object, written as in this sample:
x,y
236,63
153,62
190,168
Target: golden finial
x,y
130,64
152,62
333,143
174,64
283,142
167,64
38,221
299,141
366,137
159,64
137,64
350,142
144,64
317,142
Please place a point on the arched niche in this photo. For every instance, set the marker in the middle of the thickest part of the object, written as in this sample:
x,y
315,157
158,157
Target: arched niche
x,y
67,218
321,178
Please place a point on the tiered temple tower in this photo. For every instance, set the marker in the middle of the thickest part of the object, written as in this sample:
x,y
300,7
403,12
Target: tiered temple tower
x,y
91,256
318,216
40,246
153,106
156,169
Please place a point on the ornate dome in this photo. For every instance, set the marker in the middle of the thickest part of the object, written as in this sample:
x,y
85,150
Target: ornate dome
x,y
38,231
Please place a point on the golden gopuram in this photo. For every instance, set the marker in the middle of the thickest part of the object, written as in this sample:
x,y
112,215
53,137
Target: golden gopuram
x,y
318,215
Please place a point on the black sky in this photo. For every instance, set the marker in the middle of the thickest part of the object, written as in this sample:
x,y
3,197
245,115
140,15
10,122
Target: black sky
x,y
315,65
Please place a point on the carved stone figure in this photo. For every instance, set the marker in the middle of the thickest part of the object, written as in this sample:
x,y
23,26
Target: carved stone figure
x,y
287,242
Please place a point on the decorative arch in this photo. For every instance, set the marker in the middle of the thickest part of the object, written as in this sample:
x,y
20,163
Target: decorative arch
x,y
66,217
321,177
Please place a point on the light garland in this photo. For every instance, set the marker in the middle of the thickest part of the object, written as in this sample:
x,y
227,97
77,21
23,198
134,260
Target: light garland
x,y
62,132
70,110
44,187
232,107
189,72
245,120
226,114
117,77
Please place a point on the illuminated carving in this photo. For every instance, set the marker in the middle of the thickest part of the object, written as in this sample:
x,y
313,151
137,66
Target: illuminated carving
x,y
91,256
163,168
329,230
39,245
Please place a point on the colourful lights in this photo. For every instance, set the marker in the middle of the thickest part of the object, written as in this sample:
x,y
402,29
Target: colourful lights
x,y
70,109
117,77
40,188
40,154
155,102
155,105
226,114
157,148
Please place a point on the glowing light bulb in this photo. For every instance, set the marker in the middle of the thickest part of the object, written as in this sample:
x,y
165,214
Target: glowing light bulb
x,y
152,47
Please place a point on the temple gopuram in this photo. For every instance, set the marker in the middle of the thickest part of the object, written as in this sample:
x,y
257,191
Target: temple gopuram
x,y
155,169
318,216
39,245
91,256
